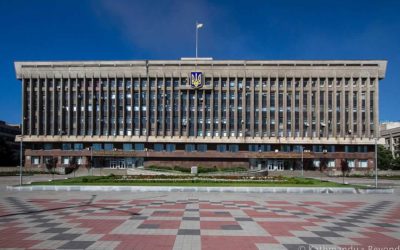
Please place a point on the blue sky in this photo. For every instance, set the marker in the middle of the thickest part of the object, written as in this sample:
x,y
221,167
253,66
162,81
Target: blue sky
x,y
128,30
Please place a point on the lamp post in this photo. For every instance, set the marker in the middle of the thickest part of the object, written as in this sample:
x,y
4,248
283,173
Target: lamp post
x,y
302,161
20,161
376,162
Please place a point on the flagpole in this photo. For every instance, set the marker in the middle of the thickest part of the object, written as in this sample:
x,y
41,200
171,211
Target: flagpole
x,y
196,37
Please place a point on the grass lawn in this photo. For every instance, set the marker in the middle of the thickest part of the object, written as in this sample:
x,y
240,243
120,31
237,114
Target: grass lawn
x,y
193,182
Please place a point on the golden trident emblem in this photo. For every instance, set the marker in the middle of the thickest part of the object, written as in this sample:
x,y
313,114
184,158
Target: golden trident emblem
x,y
196,80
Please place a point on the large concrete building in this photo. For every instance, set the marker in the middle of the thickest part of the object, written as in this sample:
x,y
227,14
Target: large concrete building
x,y
203,112
390,131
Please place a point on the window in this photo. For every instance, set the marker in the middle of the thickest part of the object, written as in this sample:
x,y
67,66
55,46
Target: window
x,y
65,160
108,146
127,147
202,147
170,147
351,163
66,146
363,163
233,148
331,163
221,147
139,147
97,146
35,160
78,146
189,147
48,146
158,147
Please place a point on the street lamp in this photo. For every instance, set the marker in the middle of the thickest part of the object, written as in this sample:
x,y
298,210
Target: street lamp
x,y
20,161
302,161
376,162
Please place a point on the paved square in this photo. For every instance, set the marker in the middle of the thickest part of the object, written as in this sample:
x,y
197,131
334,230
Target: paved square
x,y
123,220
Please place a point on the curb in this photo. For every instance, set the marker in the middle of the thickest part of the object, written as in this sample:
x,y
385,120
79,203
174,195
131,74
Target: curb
x,y
298,190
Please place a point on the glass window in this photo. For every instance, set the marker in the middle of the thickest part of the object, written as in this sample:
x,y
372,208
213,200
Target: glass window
x,y
97,146
127,146
170,147
221,147
66,146
108,146
363,163
48,146
331,163
189,147
139,147
35,160
233,148
351,163
65,160
202,147
78,146
158,147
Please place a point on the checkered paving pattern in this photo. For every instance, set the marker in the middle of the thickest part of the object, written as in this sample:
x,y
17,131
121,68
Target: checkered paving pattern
x,y
196,224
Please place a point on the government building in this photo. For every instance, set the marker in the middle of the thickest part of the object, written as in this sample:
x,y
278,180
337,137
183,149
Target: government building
x,y
268,114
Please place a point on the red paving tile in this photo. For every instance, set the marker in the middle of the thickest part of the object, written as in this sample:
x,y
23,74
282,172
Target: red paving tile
x,y
98,226
267,214
234,242
164,224
215,224
377,240
142,242
282,228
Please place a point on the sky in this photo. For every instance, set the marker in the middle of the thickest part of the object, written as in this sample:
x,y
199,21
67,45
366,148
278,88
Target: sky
x,y
47,30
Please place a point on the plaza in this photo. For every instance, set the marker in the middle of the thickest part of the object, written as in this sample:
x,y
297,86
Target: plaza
x,y
187,220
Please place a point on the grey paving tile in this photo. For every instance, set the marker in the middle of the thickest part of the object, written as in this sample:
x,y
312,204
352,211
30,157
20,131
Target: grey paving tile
x,y
315,240
77,245
345,224
149,226
243,219
56,230
189,232
296,246
65,237
138,217
338,229
327,234
231,227
191,218
48,225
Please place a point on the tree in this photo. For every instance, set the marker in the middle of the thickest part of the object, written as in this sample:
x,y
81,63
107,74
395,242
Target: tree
x,y
385,158
72,167
6,154
323,164
396,164
344,167
51,164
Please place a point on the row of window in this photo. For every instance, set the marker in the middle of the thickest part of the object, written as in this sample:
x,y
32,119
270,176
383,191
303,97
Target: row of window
x,y
201,147
35,160
279,114
168,82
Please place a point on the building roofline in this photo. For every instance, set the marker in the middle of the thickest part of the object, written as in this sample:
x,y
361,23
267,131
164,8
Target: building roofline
x,y
379,64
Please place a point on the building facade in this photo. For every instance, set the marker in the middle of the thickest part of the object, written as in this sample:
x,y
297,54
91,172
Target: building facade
x,y
390,131
8,133
203,112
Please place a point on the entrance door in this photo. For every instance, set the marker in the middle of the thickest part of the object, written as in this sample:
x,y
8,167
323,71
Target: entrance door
x,y
122,164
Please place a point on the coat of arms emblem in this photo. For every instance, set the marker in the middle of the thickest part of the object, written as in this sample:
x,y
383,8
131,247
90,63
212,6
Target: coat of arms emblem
x,y
196,80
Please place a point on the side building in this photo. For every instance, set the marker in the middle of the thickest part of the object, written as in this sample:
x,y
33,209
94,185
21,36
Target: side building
x,y
390,131
8,133
212,113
